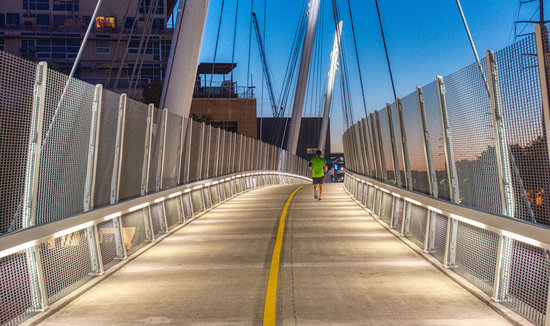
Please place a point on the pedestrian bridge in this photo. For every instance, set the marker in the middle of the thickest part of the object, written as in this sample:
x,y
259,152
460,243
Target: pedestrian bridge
x,y
114,212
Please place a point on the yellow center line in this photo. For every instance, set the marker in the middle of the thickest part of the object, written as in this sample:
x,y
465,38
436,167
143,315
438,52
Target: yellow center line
x,y
271,295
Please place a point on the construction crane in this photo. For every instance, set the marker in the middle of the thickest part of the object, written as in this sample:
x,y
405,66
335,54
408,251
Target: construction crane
x,y
274,106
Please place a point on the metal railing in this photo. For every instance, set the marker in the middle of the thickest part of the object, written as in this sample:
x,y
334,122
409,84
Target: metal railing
x,y
87,182
463,172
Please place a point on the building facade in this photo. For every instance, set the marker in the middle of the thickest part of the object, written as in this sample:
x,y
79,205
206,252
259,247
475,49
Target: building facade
x,y
52,31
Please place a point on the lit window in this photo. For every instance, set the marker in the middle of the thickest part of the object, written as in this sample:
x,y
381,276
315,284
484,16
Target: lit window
x,y
102,47
105,24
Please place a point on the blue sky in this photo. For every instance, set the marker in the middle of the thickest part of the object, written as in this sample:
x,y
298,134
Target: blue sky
x,y
425,39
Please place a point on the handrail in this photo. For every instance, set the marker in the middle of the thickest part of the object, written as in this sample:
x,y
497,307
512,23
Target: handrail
x,y
26,238
534,234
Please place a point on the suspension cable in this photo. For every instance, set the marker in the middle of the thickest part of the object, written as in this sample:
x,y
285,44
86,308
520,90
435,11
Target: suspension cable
x,y
472,45
357,57
249,49
216,50
386,50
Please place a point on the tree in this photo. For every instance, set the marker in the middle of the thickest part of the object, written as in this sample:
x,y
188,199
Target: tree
x,y
152,92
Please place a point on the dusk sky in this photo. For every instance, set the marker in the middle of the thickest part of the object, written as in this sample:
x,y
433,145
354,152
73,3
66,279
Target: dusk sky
x,y
425,39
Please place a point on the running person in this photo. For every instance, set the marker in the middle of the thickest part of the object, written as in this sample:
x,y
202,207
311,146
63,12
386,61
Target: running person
x,y
318,167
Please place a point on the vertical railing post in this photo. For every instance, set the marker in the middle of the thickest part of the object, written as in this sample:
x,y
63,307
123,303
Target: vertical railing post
x,y
429,242
452,227
380,144
39,299
89,182
146,172
502,271
115,177
543,60
396,171
160,166
372,145
404,145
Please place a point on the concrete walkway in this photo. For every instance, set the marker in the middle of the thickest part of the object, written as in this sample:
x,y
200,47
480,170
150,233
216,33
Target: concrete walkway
x,y
338,266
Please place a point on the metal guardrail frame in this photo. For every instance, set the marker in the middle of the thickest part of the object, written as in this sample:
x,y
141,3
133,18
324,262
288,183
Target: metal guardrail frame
x,y
29,237
533,234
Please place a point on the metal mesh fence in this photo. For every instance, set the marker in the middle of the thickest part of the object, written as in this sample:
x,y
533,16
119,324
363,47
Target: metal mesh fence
x,y
214,150
398,144
64,155
417,225
17,78
476,256
197,201
157,218
398,210
415,143
386,209
106,148
195,151
173,211
433,124
440,237
15,293
386,145
59,255
107,243
470,119
133,231
133,150
172,151
529,277
519,81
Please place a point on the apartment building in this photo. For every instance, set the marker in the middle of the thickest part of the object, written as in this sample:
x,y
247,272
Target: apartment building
x,y
52,31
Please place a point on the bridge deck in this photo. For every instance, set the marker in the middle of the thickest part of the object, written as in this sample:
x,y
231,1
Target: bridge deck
x,y
338,266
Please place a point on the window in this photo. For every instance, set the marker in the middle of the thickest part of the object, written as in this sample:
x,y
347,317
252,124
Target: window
x,y
158,24
72,48
230,126
129,22
59,20
12,20
36,4
102,47
28,49
166,48
2,20
133,47
65,5
43,20
105,24
2,43
145,4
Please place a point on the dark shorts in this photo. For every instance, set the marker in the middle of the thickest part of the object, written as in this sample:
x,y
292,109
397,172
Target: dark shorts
x,y
318,181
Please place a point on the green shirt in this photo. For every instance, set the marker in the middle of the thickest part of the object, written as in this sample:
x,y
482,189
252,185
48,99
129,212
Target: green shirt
x,y
318,167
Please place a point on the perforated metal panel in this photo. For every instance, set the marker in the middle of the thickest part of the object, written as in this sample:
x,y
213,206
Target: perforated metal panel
x,y
106,148
59,255
386,209
107,244
196,151
386,143
172,151
398,210
157,219
433,123
398,144
214,152
476,256
174,214
371,197
17,78
133,150
133,231
15,293
417,225
65,141
197,201
519,80
440,239
470,119
415,143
